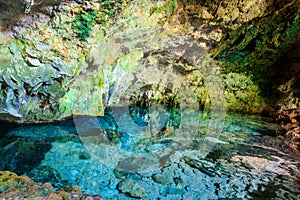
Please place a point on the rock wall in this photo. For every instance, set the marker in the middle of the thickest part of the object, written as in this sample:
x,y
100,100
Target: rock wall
x,y
14,11
43,53
289,79
52,56
266,50
254,43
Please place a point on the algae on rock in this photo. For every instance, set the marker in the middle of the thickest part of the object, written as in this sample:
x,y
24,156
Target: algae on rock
x,y
13,186
255,47
44,70
38,66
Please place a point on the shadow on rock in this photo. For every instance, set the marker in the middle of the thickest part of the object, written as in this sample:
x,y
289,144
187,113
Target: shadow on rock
x,y
12,12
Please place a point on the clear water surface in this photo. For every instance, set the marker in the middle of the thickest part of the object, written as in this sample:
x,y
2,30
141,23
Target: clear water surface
x,y
175,156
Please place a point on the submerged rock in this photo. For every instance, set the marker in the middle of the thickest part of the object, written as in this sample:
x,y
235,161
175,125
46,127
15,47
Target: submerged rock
x,y
242,168
204,166
161,178
139,164
42,174
134,188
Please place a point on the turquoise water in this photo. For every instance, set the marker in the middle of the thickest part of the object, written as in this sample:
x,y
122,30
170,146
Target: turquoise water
x,y
137,154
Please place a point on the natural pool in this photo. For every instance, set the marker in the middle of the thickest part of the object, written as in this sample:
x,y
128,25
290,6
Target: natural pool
x,y
182,155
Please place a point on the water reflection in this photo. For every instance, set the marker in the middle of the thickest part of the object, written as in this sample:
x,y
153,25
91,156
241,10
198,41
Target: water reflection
x,y
168,165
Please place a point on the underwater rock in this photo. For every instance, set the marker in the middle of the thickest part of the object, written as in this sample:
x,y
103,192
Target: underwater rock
x,y
21,155
134,188
139,164
215,140
244,165
204,166
42,174
161,179
279,166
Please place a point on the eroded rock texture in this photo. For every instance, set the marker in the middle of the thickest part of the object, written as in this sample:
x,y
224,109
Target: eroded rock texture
x,y
42,52
258,46
62,50
13,186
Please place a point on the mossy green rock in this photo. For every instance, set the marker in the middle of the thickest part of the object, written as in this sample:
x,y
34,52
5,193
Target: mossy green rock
x,y
88,56
38,66
254,48
16,187
10,179
242,94
13,186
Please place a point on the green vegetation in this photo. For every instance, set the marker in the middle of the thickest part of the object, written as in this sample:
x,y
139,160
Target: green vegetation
x,y
172,4
85,20
83,23
168,7
242,95
253,48
11,180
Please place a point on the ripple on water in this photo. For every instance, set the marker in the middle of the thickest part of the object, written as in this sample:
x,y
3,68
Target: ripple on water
x,y
158,167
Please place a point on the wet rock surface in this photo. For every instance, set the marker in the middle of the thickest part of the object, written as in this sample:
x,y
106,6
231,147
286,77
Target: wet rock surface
x,y
80,57
13,186
252,49
243,162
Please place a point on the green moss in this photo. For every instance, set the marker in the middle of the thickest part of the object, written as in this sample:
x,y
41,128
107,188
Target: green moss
x,y
84,97
292,31
106,3
82,24
85,20
56,91
168,7
172,4
11,180
253,48
242,94
65,195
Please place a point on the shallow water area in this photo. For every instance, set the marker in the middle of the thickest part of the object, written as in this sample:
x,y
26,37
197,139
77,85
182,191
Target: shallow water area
x,y
182,155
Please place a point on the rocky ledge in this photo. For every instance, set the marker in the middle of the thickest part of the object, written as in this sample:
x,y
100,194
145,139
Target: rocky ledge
x,y
13,186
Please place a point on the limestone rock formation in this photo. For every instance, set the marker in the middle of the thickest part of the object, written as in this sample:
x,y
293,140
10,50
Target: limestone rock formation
x,y
72,57
41,53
